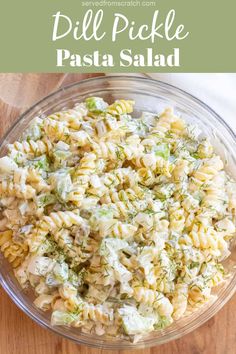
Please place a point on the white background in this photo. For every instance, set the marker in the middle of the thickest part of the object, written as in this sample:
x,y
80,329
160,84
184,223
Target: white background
x,y
216,90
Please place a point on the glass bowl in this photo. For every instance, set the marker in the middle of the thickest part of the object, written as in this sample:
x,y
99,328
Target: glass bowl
x,y
153,96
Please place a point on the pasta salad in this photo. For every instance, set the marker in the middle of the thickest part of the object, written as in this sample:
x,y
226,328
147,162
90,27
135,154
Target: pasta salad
x,y
119,224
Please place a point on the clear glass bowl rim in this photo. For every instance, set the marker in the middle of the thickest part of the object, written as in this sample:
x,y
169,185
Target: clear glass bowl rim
x,y
89,339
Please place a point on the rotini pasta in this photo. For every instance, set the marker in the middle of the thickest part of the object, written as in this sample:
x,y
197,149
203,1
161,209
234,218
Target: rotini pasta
x,y
31,147
155,299
11,189
61,219
120,107
180,300
119,224
13,251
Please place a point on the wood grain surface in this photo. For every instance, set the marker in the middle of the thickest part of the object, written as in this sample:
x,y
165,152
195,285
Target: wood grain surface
x,y
18,333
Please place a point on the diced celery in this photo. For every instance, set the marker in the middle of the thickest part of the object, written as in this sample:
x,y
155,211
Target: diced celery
x,y
61,271
134,323
60,156
61,318
163,322
40,163
45,199
7,165
96,104
61,181
162,150
164,191
33,132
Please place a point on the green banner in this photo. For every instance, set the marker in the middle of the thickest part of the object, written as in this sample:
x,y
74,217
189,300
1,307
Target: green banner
x,y
118,36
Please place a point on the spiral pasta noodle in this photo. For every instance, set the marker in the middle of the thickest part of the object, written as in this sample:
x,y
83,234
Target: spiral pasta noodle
x,y
95,313
206,172
55,130
32,147
61,219
121,107
14,252
153,298
11,189
164,122
180,300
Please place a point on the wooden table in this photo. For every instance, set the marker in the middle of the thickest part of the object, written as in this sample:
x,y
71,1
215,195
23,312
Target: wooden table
x,y
18,333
